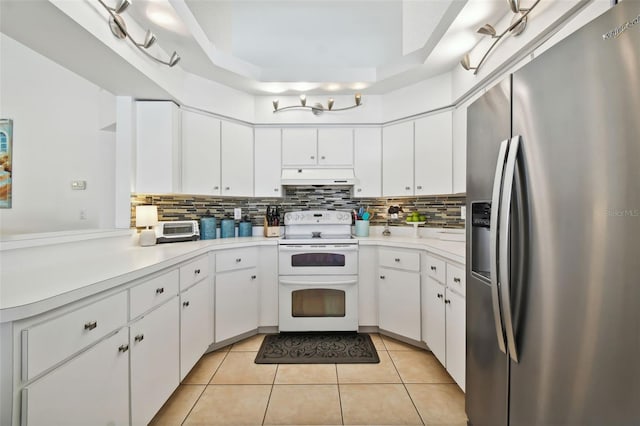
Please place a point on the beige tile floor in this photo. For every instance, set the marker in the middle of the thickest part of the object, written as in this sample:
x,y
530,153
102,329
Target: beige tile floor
x,y
407,387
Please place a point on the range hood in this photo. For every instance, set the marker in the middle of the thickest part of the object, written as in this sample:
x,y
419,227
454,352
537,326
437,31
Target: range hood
x,y
312,176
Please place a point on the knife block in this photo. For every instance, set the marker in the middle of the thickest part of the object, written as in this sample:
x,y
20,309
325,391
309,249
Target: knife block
x,y
271,231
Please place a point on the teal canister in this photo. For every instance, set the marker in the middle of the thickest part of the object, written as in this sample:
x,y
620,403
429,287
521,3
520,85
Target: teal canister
x,y
227,228
245,229
208,228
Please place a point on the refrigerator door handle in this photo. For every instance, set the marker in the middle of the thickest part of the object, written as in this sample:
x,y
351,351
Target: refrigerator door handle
x,y
493,252
505,228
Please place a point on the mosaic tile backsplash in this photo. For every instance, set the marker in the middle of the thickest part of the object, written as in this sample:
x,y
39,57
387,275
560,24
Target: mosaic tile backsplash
x,y
440,211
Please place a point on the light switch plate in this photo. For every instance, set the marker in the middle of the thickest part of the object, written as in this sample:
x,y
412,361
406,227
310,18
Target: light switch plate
x,y
237,214
78,185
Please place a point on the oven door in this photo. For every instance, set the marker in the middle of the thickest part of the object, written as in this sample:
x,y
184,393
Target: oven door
x,y
318,259
320,303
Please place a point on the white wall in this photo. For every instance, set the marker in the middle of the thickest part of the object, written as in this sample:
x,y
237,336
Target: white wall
x,y
418,98
57,117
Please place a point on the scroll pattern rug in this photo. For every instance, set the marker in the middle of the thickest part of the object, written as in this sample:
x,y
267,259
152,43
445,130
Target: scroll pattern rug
x,y
317,348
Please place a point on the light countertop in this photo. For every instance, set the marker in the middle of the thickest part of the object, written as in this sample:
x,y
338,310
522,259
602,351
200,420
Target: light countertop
x,y
39,278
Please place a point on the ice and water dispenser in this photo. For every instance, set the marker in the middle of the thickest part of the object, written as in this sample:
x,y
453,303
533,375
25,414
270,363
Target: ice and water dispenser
x,y
480,238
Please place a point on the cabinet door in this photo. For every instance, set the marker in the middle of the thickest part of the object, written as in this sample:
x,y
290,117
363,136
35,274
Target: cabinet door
x,y
434,332
196,324
155,366
299,147
158,147
456,346
433,155
200,154
367,162
335,147
268,162
91,389
399,302
236,303
397,159
237,160
367,286
268,281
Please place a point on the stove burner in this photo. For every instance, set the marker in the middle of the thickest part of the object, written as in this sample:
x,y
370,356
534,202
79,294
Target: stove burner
x,y
316,235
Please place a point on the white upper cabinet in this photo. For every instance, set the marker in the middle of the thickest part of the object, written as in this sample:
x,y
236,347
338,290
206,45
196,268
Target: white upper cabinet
x,y
397,159
237,160
335,147
299,147
200,154
158,136
368,162
268,162
433,154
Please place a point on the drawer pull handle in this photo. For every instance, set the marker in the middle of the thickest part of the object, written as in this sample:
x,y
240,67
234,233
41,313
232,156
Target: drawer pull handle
x,y
456,280
226,188
185,304
359,189
160,290
407,188
433,268
312,157
397,259
139,338
419,186
275,189
322,158
253,277
382,277
197,271
123,348
216,187
91,325
439,295
238,260
447,301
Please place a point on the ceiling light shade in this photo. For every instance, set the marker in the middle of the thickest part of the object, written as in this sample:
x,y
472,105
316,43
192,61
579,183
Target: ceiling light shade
x,y
358,98
518,24
318,108
149,39
122,6
487,29
466,62
118,26
330,103
514,5
175,58
303,100
275,105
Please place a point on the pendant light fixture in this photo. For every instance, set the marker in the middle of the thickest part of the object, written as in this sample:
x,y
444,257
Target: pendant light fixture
x,y
317,108
517,26
119,29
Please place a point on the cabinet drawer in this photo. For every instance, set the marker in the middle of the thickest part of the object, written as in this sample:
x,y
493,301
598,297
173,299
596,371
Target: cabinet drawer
x,y
193,272
435,268
153,292
456,279
407,260
48,343
229,260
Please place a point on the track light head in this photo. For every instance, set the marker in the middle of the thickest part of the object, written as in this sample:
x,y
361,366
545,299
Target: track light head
x,y
275,105
466,63
514,5
358,98
149,39
122,6
487,29
330,104
303,99
175,58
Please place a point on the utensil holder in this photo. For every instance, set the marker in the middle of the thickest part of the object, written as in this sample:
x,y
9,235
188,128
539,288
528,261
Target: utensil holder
x,y
270,231
362,228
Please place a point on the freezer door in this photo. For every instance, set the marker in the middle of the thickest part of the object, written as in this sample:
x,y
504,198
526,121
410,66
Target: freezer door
x,y
488,124
577,108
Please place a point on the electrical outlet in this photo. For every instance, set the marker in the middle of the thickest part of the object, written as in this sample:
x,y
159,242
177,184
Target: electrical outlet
x,y
237,214
78,185
463,212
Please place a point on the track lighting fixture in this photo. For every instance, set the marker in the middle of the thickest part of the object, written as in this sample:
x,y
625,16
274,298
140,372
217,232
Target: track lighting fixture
x,y
517,26
119,29
317,108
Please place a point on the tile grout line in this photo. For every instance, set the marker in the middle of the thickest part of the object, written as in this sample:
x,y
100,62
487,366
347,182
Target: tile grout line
x,y
339,395
404,385
273,383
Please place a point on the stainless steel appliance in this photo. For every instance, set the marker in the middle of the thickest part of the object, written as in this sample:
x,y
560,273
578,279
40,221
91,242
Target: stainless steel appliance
x,y
553,187
318,267
177,230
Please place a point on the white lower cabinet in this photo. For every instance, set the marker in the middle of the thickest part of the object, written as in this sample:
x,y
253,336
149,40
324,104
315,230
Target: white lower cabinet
x,y
367,286
456,336
155,367
236,303
399,302
196,324
91,389
434,318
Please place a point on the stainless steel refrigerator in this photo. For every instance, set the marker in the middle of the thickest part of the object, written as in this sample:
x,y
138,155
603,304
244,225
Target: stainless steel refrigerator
x,y
553,232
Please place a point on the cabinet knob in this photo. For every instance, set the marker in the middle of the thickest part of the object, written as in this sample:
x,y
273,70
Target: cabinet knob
x,y
359,189
397,259
382,277
139,338
238,260
433,268
407,188
275,190
185,304
322,158
226,188
313,157
419,187
439,295
197,271
447,301
91,325
123,348
216,187
253,277
456,280
160,290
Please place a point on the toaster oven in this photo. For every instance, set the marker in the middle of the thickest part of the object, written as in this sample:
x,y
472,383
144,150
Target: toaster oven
x,y
178,230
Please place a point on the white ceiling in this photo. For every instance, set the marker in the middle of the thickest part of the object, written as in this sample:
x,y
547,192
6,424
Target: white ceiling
x,y
317,46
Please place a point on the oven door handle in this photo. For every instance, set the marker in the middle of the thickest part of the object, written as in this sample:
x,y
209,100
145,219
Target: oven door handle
x,y
307,248
318,283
